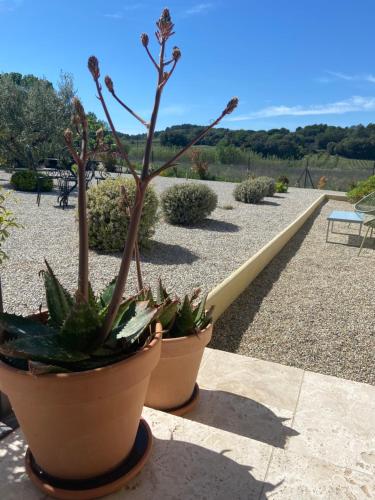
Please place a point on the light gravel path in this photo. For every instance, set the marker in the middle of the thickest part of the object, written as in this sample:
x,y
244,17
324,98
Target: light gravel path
x,y
312,307
185,258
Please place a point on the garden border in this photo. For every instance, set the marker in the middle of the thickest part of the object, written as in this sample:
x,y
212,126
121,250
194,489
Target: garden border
x,y
226,292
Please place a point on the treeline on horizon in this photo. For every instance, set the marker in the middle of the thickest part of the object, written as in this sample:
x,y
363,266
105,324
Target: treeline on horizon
x,y
355,142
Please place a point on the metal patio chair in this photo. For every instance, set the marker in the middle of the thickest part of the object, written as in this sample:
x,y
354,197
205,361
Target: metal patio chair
x,y
366,205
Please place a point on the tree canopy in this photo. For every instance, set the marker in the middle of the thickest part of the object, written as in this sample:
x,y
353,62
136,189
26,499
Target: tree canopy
x,y
357,142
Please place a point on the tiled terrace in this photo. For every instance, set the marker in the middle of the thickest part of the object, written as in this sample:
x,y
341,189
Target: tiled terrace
x,y
261,430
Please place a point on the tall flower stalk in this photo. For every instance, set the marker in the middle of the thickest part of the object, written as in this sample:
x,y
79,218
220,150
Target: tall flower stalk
x,y
164,67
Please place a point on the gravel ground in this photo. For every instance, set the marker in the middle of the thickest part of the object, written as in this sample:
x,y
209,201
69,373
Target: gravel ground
x,y
312,307
185,258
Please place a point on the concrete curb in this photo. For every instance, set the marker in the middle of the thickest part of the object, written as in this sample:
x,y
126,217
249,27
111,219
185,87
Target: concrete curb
x,y
228,290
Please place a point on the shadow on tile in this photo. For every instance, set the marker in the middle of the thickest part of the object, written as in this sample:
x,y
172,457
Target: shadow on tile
x,y
243,416
180,469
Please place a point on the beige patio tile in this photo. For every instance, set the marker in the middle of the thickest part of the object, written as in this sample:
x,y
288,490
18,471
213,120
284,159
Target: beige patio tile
x,y
14,483
335,419
266,383
191,461
243,416
295,476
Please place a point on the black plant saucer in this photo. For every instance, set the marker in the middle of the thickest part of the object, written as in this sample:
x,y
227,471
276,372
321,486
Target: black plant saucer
x,y
188,406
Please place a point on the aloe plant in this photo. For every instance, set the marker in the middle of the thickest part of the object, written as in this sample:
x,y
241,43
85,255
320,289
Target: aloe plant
x,y
85,331
179,317
68,342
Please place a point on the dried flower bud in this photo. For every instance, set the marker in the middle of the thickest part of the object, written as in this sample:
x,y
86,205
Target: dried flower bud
x,y
78,108
176,53
165,26
165,16
68,136
109,83
144,39
232,105
93,65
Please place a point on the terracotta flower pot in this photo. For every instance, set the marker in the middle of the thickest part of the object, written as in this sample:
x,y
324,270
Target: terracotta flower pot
x,y
83,424
172,381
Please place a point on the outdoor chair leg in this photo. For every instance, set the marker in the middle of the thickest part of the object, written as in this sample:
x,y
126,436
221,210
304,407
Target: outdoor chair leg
x,y
363,240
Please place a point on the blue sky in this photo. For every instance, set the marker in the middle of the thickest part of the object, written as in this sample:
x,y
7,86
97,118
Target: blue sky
x,y
291,62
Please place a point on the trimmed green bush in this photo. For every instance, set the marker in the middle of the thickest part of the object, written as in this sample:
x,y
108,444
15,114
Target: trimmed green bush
x,y
188,203
269,185
249,191
108,217
281,187
361,189
27,180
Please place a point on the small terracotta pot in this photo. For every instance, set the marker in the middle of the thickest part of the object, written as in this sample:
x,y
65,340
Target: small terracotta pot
x,y
172,382
83,424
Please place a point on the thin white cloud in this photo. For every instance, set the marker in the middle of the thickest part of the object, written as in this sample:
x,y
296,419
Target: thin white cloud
x,y
199,8
173,110
116,15
9,5
355,103
337,75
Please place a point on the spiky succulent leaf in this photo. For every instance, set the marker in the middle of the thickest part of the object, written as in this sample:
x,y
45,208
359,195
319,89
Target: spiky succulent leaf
x,y
200,310
79,331
184,323
167,314
92,299
44,348
125,311
13,325
137,323
59,301
106,295
206,319
146,295
161,293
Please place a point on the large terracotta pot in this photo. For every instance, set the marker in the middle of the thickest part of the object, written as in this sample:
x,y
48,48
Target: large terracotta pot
x,y
172,381
83,424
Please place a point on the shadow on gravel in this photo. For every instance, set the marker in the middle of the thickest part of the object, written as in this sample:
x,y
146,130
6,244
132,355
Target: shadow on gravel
x,y
167,254
240,415
270,203
219,226
233,324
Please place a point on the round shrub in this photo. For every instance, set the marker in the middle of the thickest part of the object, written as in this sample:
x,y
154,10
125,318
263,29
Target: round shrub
x,y
27,180
281,187
188,203
108,218
268,183
249,191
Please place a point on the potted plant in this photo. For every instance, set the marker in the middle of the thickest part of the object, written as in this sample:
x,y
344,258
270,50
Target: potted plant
x,y
77,378
187,329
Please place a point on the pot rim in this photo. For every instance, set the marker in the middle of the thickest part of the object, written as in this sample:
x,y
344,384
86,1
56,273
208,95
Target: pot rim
x,y
197,334
112,366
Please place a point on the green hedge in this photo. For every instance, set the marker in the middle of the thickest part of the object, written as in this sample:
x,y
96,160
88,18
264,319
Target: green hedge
x,y
27,180
188,203
108,218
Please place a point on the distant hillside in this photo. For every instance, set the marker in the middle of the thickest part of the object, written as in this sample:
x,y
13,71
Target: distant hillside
x,y
356,142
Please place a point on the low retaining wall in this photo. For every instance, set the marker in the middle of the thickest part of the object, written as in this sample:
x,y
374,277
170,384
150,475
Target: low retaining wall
x,y
228,290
